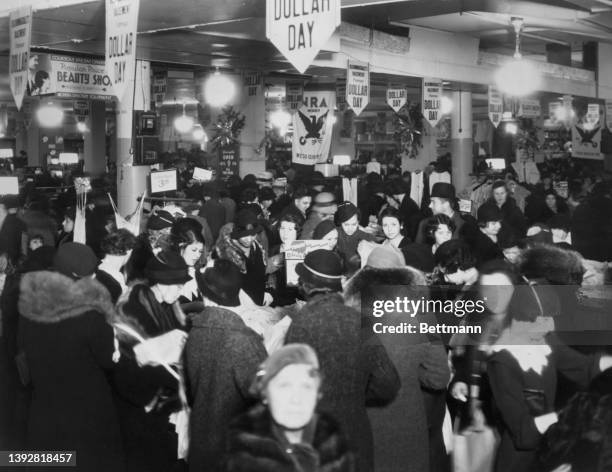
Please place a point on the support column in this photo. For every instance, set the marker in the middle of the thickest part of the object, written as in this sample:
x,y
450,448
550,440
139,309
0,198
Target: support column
x,y
95,139
461,139
33,147
131,179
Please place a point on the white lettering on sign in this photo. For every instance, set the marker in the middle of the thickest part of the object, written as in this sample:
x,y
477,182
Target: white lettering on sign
x,y
312,128
357,86
432,98
121,31
21,79
300,28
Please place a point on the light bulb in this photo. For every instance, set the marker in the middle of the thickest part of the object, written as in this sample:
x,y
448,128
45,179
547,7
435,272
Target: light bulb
x,y
81,126
183,124
280,119
50,116
219,90
518,78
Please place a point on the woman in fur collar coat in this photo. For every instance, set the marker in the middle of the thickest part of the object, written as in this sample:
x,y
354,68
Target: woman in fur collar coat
x,y
68,341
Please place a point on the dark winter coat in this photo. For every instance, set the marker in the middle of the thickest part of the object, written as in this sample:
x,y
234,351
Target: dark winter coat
x,y
401,429
592,229
255,445
521,396
11,230
355,366
221,358
69,343
150,442
484,248
514,222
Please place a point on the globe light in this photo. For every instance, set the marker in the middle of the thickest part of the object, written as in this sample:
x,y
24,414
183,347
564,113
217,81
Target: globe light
x,y
183,124
280,119
199,134
446,105
81,126
50,116
518,78
219,90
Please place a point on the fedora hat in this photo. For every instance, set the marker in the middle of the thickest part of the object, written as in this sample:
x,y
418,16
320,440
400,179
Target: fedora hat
x,y
443,190
221,283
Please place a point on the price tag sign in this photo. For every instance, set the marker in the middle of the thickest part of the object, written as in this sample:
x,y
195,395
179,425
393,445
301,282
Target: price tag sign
x,y
163,181
203,175
465,206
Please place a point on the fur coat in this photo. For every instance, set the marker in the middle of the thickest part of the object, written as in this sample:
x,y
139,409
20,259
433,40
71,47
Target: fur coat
x,y
401,439
68,343
228,249
254,447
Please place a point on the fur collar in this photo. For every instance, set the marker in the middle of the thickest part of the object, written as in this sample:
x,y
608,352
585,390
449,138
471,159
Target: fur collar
x,y
556,265
368,277
50,297
254,446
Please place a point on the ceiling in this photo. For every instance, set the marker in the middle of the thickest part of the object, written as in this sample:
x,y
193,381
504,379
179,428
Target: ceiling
x,y
231,34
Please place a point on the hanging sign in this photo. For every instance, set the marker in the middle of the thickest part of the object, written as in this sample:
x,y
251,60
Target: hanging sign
x,y
529,108
20,34
357,86
160,86
592,116
312,128
609,114
341,95
81,109
300,29
432,98
70,76
121,31
295,95
396,98
496,105
252,84
586,143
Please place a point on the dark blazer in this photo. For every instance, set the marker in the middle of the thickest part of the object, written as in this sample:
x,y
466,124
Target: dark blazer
x,y
355,366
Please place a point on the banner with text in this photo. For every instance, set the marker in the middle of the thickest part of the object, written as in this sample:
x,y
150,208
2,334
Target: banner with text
x,y
228,161
71,76
300,29
159,87
496,105
20,35
396,98
121,31
432,98
81,110
586,143
592,116
529,108
312,128
609,114
295,95
357,86
252,84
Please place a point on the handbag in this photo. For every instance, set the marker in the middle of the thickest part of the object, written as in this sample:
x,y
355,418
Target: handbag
x,y
475,447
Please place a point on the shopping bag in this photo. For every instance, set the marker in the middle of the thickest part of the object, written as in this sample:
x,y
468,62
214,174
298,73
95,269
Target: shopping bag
x,y
475,447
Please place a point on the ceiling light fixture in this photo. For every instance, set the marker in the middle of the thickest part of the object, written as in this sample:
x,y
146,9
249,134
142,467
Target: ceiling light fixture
x,y
50,115
219,89
183,124
199,134
518,77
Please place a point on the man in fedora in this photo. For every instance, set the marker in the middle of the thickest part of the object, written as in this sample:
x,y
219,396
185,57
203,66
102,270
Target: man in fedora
x,y
356,366
442,201
324,207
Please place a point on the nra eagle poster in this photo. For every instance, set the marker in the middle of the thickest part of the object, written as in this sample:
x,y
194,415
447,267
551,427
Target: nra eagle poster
x,y
432,99
300,28
586,142
496,105
121,31
357,86
396,98
20,31
312,128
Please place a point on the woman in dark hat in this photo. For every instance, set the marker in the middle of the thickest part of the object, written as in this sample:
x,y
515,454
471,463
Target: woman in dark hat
x,y
484,242
67,232
350,235
151,311
327,231
284,431
187,240
221,358
69,346
238,243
